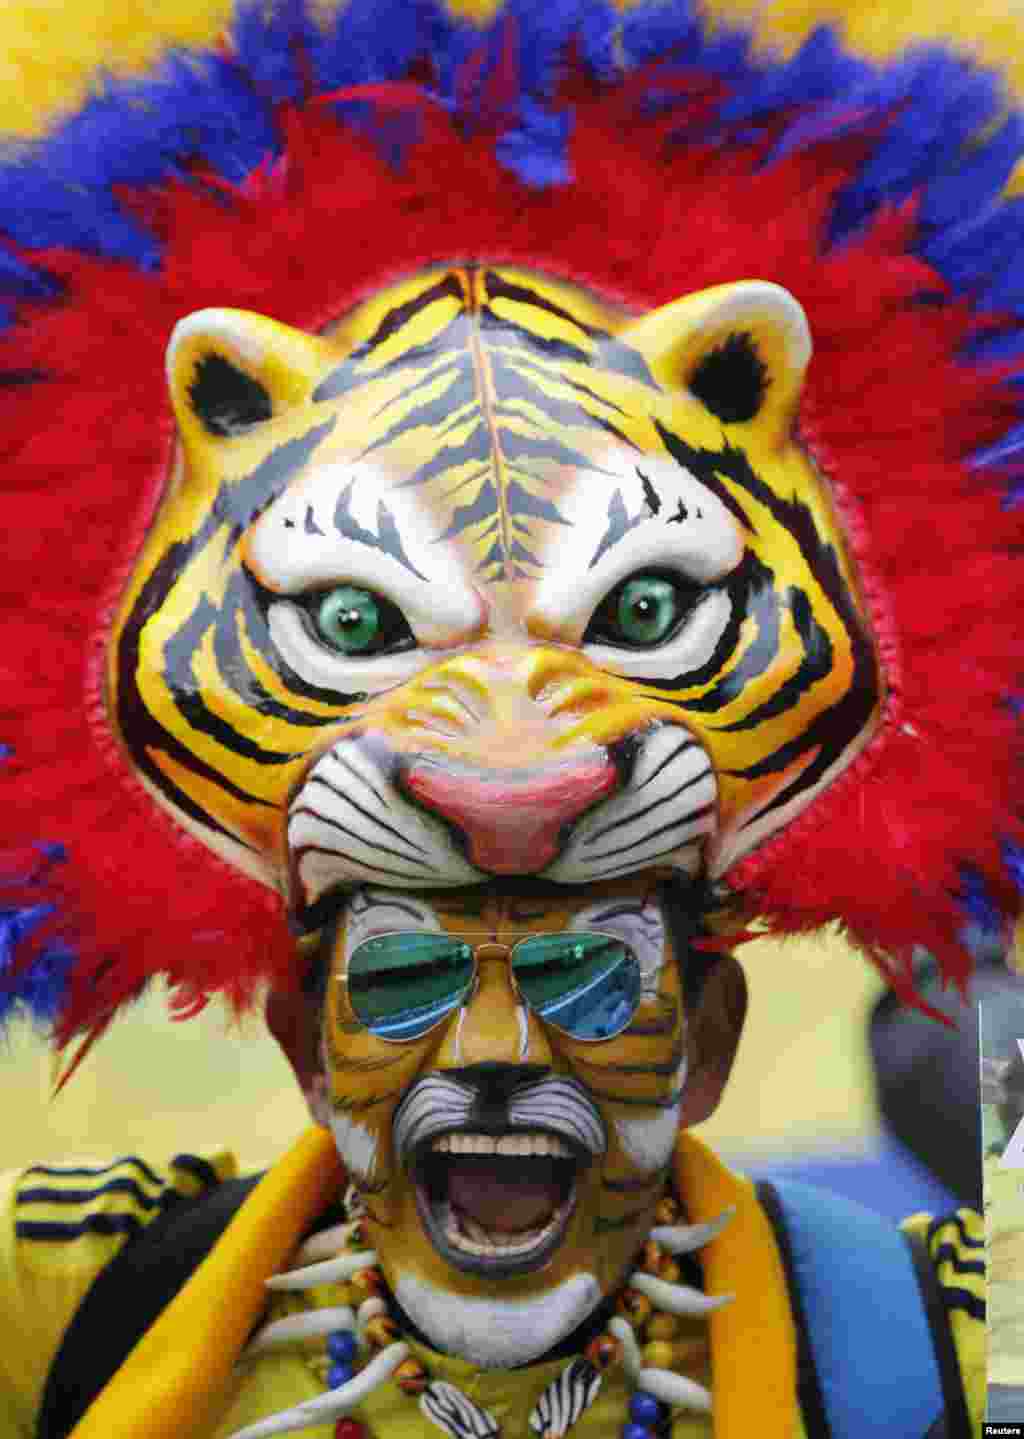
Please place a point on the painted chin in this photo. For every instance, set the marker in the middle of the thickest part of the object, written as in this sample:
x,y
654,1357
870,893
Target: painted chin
x,y
455,1184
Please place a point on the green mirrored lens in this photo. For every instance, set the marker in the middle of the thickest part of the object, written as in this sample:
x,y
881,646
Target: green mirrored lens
x,y
587,985
401,985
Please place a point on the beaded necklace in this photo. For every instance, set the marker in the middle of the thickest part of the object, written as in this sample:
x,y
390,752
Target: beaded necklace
x,y
642,1337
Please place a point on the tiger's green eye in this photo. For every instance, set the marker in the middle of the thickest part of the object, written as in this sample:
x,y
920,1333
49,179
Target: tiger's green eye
x,y
349,620
646,610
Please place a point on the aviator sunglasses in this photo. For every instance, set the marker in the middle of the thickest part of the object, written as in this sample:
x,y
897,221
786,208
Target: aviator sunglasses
x,y
403,984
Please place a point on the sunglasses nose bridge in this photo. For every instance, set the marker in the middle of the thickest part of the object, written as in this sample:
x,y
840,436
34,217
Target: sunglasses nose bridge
x,y
495,1024
492,952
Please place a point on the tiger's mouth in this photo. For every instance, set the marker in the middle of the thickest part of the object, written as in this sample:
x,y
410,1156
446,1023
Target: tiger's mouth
x,y
497,1203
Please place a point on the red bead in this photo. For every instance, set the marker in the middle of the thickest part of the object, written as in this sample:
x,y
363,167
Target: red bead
x,y
350,1429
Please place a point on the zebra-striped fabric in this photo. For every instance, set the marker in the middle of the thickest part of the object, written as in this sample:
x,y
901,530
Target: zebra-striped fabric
x,y
454,1414
565,1399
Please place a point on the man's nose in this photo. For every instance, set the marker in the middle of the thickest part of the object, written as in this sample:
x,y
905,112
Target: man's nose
x,y
494,1027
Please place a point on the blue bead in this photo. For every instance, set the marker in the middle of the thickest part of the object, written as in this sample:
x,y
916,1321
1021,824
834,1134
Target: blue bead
x,y
644,1408
339,1374
637,1431
341,1345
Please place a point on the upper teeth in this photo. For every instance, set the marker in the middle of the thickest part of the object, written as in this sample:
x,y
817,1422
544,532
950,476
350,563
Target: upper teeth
x,y
515,1144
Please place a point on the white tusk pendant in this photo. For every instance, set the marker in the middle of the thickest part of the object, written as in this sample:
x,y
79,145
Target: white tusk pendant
x,y
330,1272
334,1403
675,1389
295,1327
677,1298
631,1359
682,1238
325,1245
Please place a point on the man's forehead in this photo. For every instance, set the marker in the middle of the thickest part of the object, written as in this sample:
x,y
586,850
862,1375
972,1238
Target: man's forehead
x,y
495,912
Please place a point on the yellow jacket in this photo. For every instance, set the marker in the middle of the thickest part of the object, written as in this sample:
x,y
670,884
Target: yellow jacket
x,y
60,1226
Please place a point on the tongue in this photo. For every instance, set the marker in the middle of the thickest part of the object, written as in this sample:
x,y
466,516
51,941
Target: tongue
x,y
505,1202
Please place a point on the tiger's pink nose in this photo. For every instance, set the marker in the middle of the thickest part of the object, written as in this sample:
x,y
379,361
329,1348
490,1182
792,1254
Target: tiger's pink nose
x,y
512,824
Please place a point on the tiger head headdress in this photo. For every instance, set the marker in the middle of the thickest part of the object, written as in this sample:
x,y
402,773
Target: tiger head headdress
x,y
527,596
496,638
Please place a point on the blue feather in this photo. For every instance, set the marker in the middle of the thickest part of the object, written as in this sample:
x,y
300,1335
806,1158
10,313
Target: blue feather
x,y
599,27
141,133
726,54
996,347
268,42
543,33
1008,449
937,103
16,925
668,30
39,989
390,133
135,134
458,51
977,903
538,150
984,246
974,185
1005,289
820,73
41,210
24,281
371,41
1013,859
40,986
376,42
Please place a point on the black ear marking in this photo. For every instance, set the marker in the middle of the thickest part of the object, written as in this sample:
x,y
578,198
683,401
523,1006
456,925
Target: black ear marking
x,y
731,379
226,400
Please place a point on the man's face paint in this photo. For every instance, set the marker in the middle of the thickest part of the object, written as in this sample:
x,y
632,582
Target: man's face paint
x,y
506,1165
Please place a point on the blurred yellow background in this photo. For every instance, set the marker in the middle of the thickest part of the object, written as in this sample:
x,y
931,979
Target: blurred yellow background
x,y
153,1087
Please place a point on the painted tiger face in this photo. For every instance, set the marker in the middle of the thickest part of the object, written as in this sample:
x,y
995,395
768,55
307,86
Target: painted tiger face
x,y
508,1162
491,580
495,589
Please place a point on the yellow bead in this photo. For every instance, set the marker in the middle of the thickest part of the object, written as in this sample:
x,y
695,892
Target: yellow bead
x,y
667,1212
634,1306
662,1326
366,1282
658,1355
689,1355
604,1352
411,1377
669,1271
381,1331
654,1257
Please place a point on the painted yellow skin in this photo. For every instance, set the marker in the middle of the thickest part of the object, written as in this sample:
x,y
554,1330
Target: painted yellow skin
x,y
633,1079
501,463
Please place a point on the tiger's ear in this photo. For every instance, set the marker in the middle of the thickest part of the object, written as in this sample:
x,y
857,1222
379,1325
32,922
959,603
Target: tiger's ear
x,y
230,370
740,350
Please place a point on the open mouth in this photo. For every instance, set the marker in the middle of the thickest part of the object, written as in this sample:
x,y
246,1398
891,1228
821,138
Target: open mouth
x,y
496,1203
